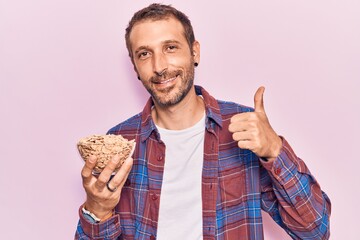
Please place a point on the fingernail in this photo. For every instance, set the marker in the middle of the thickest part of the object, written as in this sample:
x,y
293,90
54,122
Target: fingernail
x,y
91,159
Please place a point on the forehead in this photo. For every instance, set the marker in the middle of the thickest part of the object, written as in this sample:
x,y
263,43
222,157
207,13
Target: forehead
x,y
152,32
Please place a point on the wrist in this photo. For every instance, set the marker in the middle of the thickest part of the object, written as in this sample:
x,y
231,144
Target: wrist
x,y
98,216
91,217
106,217
276,148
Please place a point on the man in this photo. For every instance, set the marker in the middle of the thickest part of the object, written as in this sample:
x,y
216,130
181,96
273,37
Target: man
x,y
202,168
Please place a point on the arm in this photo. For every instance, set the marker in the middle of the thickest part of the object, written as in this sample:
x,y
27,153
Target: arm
x,y
101,201
289,192
293,198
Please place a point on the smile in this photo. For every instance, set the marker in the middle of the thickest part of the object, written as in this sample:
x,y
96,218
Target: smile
x,y
168,80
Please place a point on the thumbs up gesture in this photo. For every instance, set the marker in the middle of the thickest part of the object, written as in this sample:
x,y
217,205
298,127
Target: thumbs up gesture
x,y
253,131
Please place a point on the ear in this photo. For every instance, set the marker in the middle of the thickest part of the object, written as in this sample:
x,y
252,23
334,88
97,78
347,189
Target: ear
x,y
196,51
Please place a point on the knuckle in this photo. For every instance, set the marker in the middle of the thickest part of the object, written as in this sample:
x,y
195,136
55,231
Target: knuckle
x,y
231,127
253,123
234,136
85,173
115,182
111,164
102,179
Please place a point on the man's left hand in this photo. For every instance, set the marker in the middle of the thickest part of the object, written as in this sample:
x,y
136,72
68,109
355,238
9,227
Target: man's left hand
x,y
253,131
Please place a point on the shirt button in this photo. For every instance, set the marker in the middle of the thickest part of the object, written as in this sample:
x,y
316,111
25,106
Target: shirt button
x,y
298,198
277,171
160,158
152,237
154,196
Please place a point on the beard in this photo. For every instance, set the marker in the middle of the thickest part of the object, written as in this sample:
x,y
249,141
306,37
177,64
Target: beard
x,y
174,94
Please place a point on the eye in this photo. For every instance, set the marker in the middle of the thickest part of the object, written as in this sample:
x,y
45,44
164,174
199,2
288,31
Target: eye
x,y
171,48
143,55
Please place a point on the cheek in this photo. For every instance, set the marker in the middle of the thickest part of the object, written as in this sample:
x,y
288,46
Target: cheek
x,y
143,69
180,60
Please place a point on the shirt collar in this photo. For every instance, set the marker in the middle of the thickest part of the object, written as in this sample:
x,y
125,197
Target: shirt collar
x,y
213,114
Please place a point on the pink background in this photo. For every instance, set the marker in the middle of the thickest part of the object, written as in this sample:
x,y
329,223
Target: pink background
x,y
65,74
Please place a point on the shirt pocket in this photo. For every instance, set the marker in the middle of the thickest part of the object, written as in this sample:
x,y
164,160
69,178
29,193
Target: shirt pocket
x,y
232,186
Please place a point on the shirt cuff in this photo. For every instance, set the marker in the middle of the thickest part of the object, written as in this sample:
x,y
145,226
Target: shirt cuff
x,y
285,166
109,229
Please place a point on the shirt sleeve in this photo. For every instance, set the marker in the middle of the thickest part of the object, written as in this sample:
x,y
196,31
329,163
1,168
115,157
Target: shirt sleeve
x,y
107,230
293,197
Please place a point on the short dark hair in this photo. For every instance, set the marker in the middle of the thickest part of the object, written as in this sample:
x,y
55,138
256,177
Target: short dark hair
x,y
155,12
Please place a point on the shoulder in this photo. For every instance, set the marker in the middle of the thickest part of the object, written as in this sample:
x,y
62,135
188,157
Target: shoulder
x,y
221,106
128,127
229,108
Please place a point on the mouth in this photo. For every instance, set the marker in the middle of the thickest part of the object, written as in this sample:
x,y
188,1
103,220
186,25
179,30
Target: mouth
x,y
166,80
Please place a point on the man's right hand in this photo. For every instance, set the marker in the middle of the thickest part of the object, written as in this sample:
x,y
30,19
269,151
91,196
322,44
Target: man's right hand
x,y
99,199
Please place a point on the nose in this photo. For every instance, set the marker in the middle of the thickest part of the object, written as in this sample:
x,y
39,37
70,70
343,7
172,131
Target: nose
x,y
159,64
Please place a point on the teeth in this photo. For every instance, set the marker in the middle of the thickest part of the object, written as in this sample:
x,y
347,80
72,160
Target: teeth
x,y
169,80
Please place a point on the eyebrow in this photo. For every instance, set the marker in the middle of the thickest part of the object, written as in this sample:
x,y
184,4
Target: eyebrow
x,y
141,48
164,42
171,41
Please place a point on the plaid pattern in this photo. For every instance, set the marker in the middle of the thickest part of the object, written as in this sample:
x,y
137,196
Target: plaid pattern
x,y
236,185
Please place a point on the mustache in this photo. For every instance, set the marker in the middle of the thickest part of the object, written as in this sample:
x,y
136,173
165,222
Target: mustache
x,y
167,75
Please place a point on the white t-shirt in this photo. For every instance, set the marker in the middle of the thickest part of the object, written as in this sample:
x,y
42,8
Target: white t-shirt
x,y
180,214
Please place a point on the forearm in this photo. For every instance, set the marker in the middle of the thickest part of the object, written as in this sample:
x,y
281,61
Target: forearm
x,y
294,198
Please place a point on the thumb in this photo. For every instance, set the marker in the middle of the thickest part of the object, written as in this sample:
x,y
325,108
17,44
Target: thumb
x,y
259,100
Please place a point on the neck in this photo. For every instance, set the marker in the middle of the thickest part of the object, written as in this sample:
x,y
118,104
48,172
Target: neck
x,y
182,115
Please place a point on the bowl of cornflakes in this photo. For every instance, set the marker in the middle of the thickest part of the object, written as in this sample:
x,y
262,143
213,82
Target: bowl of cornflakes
x,y
104,148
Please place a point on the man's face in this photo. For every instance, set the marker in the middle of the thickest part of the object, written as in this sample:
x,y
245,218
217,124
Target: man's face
x,y
163,59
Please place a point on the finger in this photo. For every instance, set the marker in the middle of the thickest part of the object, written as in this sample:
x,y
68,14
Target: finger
x,y
241,117
245,145
120,177
86,172
107,172
240,126
259,100
242,136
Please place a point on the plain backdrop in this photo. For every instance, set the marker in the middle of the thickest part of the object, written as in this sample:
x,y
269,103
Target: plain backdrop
x,y
65,74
